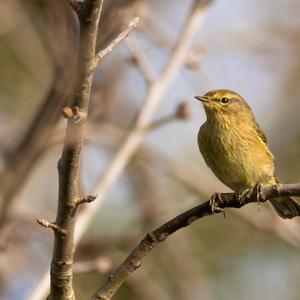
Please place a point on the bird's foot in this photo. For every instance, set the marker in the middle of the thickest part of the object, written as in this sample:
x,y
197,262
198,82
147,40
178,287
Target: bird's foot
x,y
259,196
214,201
244,195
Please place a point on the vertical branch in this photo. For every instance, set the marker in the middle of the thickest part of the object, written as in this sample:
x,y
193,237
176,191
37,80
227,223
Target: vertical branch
x,y
68,165
64,244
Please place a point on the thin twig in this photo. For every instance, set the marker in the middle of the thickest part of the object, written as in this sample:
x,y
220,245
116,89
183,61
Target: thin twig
x,y
152,239
86,199
52,226
123,34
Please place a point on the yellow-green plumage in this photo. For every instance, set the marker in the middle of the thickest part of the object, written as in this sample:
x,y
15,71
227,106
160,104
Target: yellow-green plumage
x,y
235,148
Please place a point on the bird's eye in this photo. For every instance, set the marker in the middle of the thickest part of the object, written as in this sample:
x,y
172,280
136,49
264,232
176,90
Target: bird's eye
x,y
224,100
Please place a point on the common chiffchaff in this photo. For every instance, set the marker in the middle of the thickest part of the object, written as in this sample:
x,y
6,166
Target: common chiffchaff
x,y
236,149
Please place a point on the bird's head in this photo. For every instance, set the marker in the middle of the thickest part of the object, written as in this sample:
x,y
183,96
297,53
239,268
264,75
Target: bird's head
x,y
224,103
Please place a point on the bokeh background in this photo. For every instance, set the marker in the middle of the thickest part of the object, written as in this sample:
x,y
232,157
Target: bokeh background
x,y
251,47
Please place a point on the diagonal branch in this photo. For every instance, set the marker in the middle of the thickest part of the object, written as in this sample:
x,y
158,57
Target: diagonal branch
x,y
152,239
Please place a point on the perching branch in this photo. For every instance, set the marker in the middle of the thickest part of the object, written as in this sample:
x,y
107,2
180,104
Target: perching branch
x,y
152,239
286,231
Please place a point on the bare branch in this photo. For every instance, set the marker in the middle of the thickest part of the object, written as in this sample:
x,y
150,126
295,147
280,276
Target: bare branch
x,y
286,231
61,286
123,34
152,239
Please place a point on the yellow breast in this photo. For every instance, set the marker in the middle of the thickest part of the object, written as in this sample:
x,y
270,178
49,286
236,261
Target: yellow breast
x,y
237,155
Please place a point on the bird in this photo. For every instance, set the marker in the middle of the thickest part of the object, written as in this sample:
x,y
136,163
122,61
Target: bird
x,y
236,149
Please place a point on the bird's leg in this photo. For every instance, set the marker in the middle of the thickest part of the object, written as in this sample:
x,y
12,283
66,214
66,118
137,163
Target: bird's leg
x,y
213,202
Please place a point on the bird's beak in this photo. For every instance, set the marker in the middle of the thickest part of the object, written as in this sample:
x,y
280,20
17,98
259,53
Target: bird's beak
x,y
202,98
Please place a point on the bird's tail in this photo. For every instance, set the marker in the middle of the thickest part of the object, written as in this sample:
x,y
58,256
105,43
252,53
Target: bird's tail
x,y
286,207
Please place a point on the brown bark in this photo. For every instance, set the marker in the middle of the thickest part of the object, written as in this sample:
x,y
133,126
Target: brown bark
x,y
61,287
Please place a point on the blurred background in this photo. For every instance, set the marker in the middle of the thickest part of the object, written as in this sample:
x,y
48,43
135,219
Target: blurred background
x,y
251,47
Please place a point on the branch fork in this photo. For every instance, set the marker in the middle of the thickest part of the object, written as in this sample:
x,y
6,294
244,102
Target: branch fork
x,y
108,49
